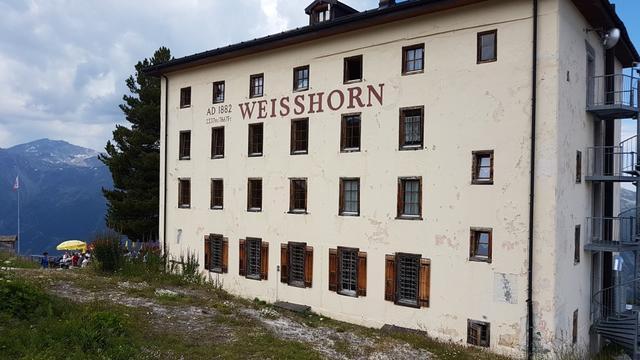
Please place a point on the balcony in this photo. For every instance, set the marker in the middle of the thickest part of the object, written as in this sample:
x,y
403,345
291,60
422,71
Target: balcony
x,y
612,234
612,164
619,103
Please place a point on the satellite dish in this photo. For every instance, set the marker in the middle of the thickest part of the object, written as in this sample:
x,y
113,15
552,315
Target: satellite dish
x,y
611,38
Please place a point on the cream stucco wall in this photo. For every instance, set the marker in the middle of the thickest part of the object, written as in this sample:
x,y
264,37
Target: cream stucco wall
x,y
467,107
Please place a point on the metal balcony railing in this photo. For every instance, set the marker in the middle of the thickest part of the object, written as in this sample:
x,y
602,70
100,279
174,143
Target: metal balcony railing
x,y
612,234
611,163
615,89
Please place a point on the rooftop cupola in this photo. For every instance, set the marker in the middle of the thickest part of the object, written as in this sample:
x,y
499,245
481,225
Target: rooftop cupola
x,y
320,11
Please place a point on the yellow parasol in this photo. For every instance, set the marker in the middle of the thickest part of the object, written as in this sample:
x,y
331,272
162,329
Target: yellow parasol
x,y
71,245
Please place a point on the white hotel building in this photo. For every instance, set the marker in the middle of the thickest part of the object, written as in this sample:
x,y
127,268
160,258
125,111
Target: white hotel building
x,y
377,166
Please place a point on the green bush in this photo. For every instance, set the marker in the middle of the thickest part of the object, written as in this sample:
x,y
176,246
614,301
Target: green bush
x,y
23,301
107,252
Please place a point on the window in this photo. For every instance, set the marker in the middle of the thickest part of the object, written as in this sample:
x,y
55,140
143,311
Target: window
x,y
296,264
185,97
482,168
350,133
576,246
348,271
256,87
254,259
478,333
321,13
350,196
301,78
184,193
185,145
217,142
407,280
299,136
413,59
410,198
216,253
353,69
578,167
218,92
487,46
217,194
254,196
298,196
574,332
481,245
255,139
412,128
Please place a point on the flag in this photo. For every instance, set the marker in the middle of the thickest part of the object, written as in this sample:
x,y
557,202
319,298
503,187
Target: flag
x,y
16,185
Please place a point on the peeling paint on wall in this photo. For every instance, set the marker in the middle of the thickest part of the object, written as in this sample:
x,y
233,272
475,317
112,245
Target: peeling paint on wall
x,y
505,288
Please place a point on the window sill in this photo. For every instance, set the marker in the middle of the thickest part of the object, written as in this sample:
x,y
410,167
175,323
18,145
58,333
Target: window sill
x,y
351,294
297,284
300,152
217,208
349,214
408,304
350,150
411,148
183,158
218,102
215,157
185,106
254,210
255,155
487,61
481,182
184,206
255,96
298,212
480,259
409,217
254,277
301,90
216,270
352,81
414,72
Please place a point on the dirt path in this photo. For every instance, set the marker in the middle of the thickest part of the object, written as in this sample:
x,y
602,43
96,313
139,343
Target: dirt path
x,y
200,318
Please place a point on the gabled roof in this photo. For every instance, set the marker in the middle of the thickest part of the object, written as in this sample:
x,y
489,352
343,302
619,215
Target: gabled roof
x,y
595,11
332,2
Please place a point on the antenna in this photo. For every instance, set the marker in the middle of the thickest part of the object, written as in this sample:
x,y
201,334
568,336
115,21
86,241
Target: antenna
x,y
610,38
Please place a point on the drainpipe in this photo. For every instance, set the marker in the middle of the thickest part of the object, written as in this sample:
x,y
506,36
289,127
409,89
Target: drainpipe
x,y
166,138
534,91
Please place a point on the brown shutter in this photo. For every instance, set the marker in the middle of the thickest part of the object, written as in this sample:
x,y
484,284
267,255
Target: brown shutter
x,y
225,255
264,261
341,197
362,273
390,278
308,266
242,258
425,282
284,263
207,252
400,197
333,270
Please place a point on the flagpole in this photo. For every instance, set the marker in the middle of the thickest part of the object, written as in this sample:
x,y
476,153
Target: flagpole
x,y
18,239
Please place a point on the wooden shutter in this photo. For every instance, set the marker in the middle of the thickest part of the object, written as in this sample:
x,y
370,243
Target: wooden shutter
x,y
400,197
308,266
333,270
225,255
362,273
243,258
390,278
425,282
207,252
264,261
284,263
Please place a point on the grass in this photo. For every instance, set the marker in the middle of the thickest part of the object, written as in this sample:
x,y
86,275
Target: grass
x,y
8,260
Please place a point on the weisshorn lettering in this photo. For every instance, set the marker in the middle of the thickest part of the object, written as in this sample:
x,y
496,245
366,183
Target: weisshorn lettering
x,y
351,98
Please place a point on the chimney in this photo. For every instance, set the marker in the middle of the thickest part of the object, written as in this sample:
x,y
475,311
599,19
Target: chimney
x,y
386,3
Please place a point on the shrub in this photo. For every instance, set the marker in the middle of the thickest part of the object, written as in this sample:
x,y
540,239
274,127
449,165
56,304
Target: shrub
x,y
107,252
23,301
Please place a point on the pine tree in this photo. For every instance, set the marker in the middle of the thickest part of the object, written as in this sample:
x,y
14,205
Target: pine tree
x,y
133,156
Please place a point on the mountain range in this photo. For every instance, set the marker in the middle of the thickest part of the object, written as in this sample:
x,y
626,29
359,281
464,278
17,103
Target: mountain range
x,y
60,193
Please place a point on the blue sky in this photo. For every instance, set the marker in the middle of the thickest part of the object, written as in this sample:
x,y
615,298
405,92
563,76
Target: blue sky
x,y
63,62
